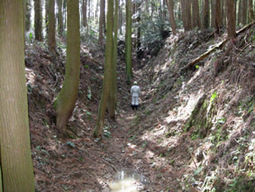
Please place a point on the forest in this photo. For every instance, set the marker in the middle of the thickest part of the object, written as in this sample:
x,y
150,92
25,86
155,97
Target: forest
x,y
127,95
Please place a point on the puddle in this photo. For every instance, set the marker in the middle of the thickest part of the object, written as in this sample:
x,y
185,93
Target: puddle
x,y
127,182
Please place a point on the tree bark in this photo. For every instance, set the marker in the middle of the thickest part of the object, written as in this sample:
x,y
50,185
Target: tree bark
x,y
196,15
46,3
66,99
239,19
170,6
231,18
206,15
218,19
129,40
115,53
112,100
120,17
52,28
15,152
28,15
101,22
213,11
60,18
138,44
84,13
38,20
251,11
107,73
186,14
244,12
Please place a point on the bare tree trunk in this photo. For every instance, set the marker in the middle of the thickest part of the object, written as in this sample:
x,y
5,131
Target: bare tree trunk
x,y
206,15
15,153
188,17
170,6
84,13
223,11
244,12
196,15
184,14
101,22
231,18
112,99
60,17
129,40
251,11
218,19
107,73
139,28
120,17
66,99
52,27
213,11
239,19
46,3
28,15
38,20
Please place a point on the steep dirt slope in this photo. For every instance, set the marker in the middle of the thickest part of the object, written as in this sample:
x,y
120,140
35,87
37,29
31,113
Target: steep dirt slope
x,y
197,128
193,131
80,162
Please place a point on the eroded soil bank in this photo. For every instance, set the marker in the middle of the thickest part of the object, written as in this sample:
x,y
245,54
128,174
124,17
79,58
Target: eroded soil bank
x,y
194,131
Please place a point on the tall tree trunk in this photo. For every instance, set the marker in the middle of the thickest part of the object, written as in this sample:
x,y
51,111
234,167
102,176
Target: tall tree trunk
x,y
65,14
239,19
120,17
223,11
89,9
107,73
218,19
28,15
244,12
60,17
66,99
231,18
115,51
129,40
112,100
188,16
213,10
196,15
46,3
52,28
38,20
84,13
101,22
206,15
164,8
170,6
138,44
1,179
251,11
15,152
184,14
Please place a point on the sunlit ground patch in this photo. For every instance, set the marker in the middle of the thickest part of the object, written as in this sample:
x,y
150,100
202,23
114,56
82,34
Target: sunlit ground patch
x,y
127,182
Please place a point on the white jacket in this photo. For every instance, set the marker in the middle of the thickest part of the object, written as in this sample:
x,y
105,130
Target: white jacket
x,y
135,90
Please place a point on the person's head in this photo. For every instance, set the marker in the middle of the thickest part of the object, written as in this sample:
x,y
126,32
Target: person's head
x,y
135,82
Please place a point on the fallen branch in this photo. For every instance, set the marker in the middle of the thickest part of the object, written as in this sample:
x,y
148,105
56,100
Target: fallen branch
x,y
218,46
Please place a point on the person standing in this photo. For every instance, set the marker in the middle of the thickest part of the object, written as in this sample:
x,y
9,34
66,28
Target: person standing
x,y
135,92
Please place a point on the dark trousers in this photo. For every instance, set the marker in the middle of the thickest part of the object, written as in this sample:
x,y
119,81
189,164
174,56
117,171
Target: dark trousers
x,y
134,107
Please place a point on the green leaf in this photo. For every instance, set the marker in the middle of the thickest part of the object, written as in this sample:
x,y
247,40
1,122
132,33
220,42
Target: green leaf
x,y
71,144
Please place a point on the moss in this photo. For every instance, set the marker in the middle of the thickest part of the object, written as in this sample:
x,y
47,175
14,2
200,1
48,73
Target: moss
x,y
201,118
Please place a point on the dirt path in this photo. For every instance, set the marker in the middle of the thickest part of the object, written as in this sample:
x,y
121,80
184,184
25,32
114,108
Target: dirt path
x,y
126,150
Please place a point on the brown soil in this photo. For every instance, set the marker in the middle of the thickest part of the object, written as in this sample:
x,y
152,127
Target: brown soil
x,y
160,142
